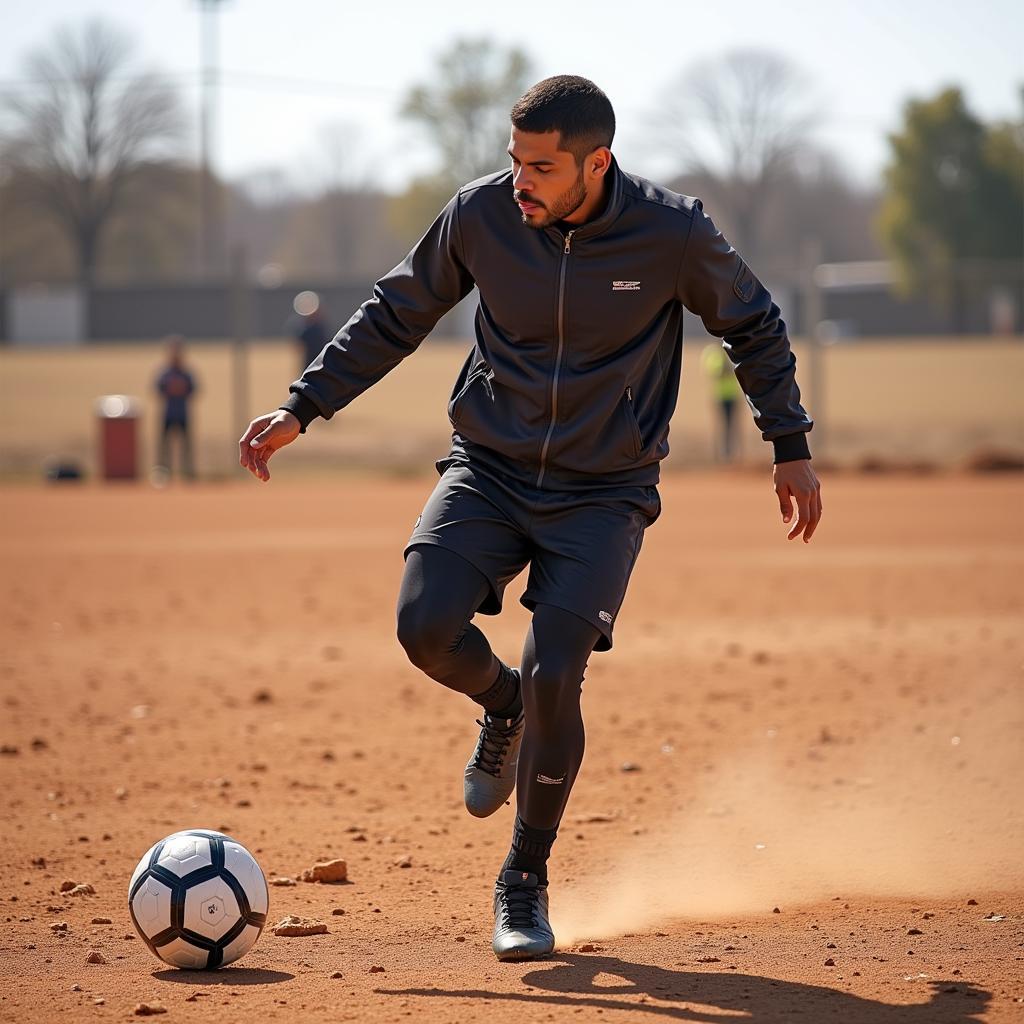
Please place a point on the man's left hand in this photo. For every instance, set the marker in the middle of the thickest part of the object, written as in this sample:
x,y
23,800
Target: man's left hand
x,y
796,481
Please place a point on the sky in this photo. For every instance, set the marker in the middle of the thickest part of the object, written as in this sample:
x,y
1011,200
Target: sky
x,y
312,88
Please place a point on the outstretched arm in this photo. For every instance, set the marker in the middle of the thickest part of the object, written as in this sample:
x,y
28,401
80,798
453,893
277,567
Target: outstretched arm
x,y
405,305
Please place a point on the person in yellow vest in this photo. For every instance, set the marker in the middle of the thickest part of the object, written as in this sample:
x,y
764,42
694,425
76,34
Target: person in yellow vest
x,y
725,390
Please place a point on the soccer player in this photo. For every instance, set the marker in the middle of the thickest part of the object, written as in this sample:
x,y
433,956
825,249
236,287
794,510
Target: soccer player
x,y
560,418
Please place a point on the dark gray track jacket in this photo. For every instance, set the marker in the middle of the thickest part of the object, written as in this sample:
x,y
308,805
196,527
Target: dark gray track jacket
x,y
575,372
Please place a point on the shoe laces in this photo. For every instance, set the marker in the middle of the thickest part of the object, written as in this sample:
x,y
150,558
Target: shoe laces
x,y
518,905
494,741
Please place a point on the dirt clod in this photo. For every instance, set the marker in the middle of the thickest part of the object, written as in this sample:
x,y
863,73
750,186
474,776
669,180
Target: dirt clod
x,y
292,927
327,871
149,1009
95,957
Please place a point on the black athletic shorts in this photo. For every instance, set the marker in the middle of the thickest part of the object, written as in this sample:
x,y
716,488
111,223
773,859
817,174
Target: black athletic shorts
x,y
581,546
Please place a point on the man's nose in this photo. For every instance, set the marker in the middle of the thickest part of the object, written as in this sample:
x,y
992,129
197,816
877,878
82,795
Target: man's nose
x,y
521,181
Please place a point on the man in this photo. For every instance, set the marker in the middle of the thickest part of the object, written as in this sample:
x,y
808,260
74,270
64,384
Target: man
x,y
560,419
725,389
176,386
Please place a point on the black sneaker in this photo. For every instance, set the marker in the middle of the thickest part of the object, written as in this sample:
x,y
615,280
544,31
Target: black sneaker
x,y
490,775
521,927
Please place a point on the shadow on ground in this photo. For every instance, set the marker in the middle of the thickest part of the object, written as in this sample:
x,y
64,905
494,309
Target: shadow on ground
x,y
224,976
589,982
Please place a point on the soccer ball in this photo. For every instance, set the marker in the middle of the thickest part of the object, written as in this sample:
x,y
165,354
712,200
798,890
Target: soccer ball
x,y
198,899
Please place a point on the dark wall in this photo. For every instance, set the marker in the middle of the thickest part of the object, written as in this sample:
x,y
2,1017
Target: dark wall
x,y
206,311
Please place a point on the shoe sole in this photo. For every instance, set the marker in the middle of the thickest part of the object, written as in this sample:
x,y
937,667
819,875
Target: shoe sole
x,y
514,955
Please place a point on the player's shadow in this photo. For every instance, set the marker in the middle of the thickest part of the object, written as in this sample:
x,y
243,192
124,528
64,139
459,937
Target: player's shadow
x,y
586,982
224,976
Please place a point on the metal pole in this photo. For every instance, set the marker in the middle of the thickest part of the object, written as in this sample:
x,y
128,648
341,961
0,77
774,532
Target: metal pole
x,y
813,314
240,326
211,248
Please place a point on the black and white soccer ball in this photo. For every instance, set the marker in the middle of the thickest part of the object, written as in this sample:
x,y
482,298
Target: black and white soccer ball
x,y
198,899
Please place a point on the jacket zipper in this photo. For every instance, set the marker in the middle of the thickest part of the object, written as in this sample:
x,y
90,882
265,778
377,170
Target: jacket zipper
x,y
558,356
638,438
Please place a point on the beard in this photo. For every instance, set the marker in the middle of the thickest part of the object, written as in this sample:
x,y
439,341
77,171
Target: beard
x,y
563,206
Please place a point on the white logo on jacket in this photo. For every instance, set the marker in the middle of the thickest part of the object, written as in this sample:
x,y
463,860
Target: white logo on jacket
x,y
625,286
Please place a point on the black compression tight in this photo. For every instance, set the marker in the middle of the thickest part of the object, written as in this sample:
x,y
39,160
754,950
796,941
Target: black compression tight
x,y
554,661
440,593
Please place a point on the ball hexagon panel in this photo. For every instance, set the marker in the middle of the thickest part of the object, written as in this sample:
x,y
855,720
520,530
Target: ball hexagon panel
x,y
211,909
182,854
240,862
241,944
180,952
142,865
152,907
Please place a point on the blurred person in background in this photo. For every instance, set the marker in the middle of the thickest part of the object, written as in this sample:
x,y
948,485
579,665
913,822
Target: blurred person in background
x,y
176,386
725,390
308,327
560,422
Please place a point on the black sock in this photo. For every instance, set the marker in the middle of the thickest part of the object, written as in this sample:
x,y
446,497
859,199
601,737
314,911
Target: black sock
x,y
531,848
504,697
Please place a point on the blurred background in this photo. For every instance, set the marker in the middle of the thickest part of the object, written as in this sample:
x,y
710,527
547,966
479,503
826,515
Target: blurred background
x,y
195,194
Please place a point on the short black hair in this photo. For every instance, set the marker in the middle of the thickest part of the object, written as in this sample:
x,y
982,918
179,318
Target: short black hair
x,y
572,106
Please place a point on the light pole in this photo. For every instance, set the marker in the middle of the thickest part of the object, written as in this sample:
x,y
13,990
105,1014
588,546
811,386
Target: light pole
x,y
210,213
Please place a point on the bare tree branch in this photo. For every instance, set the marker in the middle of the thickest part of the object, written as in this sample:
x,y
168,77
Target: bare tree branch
x,y
741,120
74,143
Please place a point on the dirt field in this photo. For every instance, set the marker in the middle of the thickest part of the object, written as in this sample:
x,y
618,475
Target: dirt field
x,y
822,819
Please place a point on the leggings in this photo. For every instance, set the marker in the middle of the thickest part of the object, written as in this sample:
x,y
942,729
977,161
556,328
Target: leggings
x,y
439,595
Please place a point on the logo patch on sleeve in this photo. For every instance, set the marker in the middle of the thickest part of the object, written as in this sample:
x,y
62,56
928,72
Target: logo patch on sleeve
x,y
745,283
625,286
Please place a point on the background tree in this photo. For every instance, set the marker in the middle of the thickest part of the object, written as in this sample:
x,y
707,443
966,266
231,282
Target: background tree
x,y
83,134
464,113
739,122
954,192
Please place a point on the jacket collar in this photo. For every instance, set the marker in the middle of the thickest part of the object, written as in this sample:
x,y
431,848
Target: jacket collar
x,y
612,208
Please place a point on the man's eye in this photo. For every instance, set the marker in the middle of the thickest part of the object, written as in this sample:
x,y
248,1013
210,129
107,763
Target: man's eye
x,y
543,170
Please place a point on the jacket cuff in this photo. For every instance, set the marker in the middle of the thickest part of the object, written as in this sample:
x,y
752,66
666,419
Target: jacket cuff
x,y
791,447
301,408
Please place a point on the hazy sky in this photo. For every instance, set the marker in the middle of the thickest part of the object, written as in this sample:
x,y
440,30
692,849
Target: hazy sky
x,y
292,69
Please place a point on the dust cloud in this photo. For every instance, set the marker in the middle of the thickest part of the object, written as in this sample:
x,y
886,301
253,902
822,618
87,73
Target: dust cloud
x,y
929,814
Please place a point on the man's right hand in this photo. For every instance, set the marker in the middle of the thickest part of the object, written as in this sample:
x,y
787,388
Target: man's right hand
x,y
265,435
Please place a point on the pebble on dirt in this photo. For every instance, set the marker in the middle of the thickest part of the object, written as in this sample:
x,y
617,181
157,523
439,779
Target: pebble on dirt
x,y
85,889
95,957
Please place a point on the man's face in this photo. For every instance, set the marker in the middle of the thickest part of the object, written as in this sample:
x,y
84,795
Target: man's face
x,y
549,185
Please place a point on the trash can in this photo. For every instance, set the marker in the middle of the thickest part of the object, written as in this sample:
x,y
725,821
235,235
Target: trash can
x,y
118,420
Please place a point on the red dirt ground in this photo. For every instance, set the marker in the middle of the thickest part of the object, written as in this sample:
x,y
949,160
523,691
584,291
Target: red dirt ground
x,y
833,730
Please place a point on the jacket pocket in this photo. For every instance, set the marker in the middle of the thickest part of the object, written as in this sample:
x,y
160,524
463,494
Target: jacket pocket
x,y
634,426
480,376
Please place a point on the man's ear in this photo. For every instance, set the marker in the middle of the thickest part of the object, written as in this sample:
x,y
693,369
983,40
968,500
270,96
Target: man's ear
x,y
599,161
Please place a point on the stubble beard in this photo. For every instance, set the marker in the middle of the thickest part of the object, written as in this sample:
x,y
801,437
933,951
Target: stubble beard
x,y
563,206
